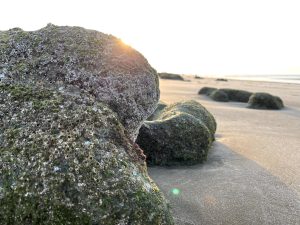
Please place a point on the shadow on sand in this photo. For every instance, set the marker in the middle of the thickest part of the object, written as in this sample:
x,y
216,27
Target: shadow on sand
x,y
227,189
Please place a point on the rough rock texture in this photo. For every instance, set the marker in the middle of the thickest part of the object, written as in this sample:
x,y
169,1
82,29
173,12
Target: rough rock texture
x,y
170,76
66,159
219,96
265,101
160,106
206,90
77,59
237,95
193,108
181,134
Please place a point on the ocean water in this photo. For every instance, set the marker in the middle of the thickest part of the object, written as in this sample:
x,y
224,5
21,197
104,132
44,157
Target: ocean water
x,y
272,78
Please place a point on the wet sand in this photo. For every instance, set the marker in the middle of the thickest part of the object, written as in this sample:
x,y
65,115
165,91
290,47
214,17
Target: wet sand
x,y
252,175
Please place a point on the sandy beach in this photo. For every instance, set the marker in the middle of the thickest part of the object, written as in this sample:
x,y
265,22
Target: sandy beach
x,y
252,174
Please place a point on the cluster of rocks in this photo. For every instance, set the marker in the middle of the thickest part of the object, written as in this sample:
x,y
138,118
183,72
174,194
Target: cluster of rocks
x,y
170,76
71,103
226,94
255,100
178,134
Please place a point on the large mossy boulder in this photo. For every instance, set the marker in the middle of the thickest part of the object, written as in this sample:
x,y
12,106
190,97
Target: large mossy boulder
x,y
181,135
66,159
206,90
78,59
236,95
170,76
219,96
71,102
265,101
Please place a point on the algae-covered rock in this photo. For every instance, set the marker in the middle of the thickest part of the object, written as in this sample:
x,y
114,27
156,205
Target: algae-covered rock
x,y
237,95
206,90
219,96
160,106
193,108
232,94
66,159
170,76
181,134
265,101
76,59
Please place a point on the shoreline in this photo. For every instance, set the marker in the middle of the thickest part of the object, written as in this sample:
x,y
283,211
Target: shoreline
x,y
249,78
252,175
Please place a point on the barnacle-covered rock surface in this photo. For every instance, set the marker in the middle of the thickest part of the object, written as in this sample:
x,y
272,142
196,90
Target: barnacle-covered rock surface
x,y
78,59
180,134
66,159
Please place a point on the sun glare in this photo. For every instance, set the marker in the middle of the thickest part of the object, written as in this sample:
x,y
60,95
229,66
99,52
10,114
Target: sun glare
x,y
191,37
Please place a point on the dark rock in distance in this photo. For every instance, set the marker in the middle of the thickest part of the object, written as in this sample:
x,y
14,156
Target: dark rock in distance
x,y
170,76
221,79
206,90
181,135
265,101
219,96
236,95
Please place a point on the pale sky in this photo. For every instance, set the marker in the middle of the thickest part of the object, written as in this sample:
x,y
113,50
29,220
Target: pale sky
x,y
206,37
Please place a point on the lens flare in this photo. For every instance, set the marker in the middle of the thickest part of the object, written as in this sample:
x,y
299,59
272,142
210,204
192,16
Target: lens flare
x,y
175,191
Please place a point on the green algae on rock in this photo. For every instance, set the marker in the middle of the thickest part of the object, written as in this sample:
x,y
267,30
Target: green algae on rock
x,y
265,101
180,135
78,59
206,90
219,96
66,159
236,95
193,108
